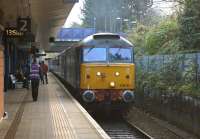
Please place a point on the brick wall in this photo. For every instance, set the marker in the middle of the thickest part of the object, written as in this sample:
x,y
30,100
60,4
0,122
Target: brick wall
x,y
1,82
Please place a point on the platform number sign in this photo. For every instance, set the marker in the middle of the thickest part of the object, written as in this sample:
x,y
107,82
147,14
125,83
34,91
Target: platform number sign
x,y
24,24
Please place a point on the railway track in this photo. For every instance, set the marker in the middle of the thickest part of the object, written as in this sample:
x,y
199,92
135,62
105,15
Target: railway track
x,y
118,128
122,130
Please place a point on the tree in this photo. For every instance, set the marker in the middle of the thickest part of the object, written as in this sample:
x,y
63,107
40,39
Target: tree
x,y
159,39
138,7
152,17
113,15
88,13
189,22
75,25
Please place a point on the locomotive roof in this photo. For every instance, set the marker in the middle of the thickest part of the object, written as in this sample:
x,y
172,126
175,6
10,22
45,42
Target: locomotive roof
x,y
102,38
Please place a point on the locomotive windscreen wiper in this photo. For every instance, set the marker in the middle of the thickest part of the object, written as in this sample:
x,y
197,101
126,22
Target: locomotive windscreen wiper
x,y
89,50
119,49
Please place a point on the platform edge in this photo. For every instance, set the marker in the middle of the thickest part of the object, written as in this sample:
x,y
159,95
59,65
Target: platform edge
x,y
99,130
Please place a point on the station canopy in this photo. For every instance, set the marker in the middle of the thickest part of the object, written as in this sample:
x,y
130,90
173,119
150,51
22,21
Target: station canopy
x,y
47,16
74,34
67,37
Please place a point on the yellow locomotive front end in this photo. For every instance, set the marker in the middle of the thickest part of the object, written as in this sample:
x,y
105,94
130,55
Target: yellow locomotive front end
x,y
107,71
112,82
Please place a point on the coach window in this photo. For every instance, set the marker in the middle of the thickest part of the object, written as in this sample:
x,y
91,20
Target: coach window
x,y
94,54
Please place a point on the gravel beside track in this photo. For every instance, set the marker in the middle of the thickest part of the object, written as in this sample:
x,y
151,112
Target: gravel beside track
x,y
155,127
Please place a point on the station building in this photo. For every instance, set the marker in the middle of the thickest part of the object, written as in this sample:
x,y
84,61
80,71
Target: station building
x,y
25,27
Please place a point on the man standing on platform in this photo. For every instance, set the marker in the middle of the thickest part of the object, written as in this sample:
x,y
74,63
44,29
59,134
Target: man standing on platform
x,y
45,70
35,77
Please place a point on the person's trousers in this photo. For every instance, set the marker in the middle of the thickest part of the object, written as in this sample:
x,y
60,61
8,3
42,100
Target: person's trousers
x,y
26,83
42,78
46,78
35,86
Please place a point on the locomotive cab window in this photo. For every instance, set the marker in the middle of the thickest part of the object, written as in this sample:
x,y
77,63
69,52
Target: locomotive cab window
x,y
94,54
120,55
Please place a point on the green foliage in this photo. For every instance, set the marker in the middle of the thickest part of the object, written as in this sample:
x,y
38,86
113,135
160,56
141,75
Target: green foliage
x,y
186,88
153,17
88,13
138,39
162,38
109,15
171,47
169,77
170,36
189,22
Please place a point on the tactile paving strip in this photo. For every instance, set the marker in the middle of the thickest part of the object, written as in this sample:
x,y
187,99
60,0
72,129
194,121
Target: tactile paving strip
x,y
13,128
55,115
60,119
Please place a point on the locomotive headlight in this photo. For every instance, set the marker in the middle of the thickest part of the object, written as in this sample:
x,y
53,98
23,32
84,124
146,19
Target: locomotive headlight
x,y
98,73
116,73
112,84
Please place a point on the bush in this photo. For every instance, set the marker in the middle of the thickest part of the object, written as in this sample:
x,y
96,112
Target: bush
x,y
169,77
137,38
189,21
162,38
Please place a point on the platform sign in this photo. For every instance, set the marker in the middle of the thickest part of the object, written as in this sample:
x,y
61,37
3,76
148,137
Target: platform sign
x,y
24,24
13,32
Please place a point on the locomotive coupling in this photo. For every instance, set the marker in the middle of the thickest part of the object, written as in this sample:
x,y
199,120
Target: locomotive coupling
x,y
128,96
88,96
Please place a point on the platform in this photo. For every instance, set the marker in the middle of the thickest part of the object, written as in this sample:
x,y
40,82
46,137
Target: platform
x,y
56,115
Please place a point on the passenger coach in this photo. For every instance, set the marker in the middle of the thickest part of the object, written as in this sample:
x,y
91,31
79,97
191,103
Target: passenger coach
x,y
100,69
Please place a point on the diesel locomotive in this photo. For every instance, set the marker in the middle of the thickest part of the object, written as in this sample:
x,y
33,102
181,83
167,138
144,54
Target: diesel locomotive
x,y
100,69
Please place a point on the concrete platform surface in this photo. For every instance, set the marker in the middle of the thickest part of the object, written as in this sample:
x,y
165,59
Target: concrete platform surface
x,y
56,115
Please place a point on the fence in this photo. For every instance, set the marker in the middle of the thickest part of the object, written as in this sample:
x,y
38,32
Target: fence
x,y
169,86
150,63
170,70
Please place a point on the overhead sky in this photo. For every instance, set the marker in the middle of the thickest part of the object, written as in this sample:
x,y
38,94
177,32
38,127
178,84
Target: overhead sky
x,y
163,6
75,15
